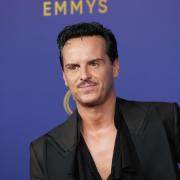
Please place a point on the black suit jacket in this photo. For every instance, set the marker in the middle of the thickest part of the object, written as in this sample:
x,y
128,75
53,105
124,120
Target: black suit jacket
x,y
154,130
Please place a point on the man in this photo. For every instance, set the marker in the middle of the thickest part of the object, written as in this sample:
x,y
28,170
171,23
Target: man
x,y
106,137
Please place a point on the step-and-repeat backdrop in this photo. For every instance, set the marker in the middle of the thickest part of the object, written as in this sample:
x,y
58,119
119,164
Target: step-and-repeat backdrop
x,y
31,86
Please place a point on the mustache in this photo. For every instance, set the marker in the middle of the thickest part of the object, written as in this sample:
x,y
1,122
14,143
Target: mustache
x,y
86,82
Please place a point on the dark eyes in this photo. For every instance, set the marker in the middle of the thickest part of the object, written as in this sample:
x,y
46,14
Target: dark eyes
x,y
94,63
73,66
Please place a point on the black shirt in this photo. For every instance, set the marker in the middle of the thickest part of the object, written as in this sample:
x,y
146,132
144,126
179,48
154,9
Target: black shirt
x,y
86,164
125,163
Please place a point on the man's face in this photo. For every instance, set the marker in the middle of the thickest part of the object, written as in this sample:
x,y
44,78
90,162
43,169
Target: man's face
x,y
88,71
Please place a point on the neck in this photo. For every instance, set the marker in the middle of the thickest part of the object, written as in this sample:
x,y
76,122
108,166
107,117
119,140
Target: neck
x,y
99,117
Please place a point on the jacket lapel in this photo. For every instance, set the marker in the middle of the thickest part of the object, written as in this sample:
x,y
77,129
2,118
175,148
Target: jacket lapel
x,y
66,134
150,139
133,113
129,162
60,149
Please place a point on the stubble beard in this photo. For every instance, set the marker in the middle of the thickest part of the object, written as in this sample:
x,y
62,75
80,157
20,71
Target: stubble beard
x,y
96,101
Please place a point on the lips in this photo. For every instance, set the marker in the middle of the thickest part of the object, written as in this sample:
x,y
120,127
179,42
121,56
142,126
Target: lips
x,y
87,86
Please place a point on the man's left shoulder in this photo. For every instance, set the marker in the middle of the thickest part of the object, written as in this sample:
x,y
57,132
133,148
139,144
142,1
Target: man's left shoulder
x,y
166,110
159,105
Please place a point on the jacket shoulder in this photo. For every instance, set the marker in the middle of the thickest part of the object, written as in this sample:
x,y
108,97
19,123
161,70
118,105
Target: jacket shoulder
x,y
165,108
167,111
37,149
58,133
38,143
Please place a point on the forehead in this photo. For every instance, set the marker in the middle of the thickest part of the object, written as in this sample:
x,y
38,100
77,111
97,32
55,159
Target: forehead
x,y
95,39
84,47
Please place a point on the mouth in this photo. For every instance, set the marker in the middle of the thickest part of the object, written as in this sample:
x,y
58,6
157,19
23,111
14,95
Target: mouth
x,y
87,87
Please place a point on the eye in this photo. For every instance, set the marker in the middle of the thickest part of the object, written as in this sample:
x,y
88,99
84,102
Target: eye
x,y
94,64
72,67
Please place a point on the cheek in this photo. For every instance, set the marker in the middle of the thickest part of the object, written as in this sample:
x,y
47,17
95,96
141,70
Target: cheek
x,y
108,80
70,77
72,81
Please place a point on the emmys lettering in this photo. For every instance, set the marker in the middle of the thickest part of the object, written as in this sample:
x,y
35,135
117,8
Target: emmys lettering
x,y
65,7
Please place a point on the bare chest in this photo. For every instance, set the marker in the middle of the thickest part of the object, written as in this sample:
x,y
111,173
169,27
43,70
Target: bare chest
x,y
102,153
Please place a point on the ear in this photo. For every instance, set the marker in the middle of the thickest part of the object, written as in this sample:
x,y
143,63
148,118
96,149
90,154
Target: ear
x,y
115,68
65,81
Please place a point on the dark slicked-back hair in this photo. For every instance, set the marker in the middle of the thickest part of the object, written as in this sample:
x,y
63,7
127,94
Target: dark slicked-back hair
x,y
85,30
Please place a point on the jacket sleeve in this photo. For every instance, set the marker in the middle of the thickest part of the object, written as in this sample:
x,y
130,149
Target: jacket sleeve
x,y
177,130
36,170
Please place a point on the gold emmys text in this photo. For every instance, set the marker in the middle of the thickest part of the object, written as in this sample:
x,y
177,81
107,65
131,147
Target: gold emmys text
x,y
65,7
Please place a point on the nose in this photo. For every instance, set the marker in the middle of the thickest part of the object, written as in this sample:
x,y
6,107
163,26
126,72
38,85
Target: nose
x,y
85,74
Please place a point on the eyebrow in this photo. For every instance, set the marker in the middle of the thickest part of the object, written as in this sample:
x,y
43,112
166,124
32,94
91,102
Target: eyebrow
x,y
97,59
92,60
70,64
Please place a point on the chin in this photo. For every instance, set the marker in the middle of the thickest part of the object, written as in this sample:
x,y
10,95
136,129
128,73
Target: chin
x,y
89,101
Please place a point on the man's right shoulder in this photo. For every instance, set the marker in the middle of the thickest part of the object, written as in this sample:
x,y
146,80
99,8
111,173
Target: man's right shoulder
x,y
39,141
59,130
37,145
